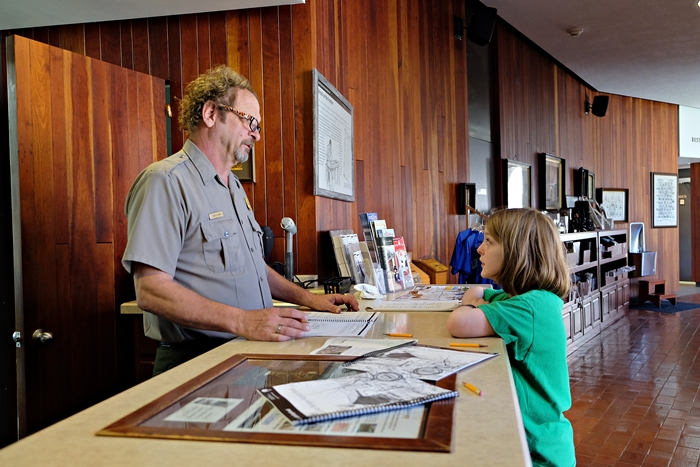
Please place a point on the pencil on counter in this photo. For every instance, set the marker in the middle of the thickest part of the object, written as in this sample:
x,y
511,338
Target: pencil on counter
x,y
397,334
466,344
472,388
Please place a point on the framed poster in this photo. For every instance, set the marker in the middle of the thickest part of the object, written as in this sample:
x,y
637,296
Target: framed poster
x,y
223,404
615,201
517,178
334,160
246,171
551,181
664,200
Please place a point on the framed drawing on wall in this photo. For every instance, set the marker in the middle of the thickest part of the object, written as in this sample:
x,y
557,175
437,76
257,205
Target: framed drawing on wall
x,y
551,181
664,200
246,171
334,161
615,201
516,179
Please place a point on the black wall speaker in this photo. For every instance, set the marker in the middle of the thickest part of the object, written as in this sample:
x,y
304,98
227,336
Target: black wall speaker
x,y
466,196
600,105
482,24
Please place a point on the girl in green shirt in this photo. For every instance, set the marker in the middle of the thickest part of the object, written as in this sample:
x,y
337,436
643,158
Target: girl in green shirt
x,y
522,252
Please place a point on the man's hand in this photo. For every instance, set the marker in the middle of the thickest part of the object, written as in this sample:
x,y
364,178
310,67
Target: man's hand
x,y
330,302
273,324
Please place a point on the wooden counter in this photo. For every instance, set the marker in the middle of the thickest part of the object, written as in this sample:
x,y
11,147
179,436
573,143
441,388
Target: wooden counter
x,y
488,429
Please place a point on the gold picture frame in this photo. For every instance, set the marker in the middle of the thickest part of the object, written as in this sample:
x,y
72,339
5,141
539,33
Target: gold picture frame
x,y
551,181
246,171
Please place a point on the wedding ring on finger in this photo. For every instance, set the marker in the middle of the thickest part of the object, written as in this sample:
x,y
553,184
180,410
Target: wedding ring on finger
x,y
279,329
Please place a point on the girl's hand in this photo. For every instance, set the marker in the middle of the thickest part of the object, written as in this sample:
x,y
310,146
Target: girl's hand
x,y
473,296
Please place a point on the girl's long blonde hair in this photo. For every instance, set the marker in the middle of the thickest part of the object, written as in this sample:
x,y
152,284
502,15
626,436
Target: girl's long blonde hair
x,y
533,254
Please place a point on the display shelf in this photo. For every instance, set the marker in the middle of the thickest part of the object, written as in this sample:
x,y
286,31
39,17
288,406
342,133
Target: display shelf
x,y
598,262
583,267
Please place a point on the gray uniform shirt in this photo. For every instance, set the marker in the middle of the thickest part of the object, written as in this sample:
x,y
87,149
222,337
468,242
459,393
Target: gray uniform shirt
x,y
184,221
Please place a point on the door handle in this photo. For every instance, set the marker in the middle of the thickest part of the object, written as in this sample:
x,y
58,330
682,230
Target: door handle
x,y
42,337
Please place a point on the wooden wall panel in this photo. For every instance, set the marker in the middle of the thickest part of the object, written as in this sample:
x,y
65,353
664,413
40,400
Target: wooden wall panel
x,y
409,98
304,51
67,180
203,42
635,138
276,183
110,43
158,44
127,42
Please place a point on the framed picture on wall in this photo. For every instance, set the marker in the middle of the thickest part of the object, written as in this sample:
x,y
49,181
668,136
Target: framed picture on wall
x,y
664,200
551,181
580,182
517,178
615,201
246,171
591,185
334,160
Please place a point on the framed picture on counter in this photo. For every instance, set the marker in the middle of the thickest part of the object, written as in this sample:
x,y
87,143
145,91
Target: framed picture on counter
x,y
224,404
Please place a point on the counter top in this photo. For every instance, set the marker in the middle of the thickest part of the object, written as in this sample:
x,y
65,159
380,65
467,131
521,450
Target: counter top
x,y
487,430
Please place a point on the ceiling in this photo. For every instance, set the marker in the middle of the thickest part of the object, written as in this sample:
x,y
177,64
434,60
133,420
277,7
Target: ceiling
x,y
15,14
648,49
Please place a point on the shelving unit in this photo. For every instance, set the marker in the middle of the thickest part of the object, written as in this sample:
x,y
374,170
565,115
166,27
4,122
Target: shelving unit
x,y
598,263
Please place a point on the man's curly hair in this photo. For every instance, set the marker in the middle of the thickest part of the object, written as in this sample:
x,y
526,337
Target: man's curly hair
x,y
219,85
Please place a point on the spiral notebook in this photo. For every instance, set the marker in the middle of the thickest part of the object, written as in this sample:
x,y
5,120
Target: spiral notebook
x,y
359,394
346,324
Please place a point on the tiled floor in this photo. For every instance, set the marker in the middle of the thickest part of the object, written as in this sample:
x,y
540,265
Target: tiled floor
x,y
636,390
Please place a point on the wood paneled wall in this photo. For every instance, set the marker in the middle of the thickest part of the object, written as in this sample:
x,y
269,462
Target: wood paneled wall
x,y
399,65
540,109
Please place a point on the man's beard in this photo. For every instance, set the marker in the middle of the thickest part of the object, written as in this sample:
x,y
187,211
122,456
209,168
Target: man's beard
x,y
241,154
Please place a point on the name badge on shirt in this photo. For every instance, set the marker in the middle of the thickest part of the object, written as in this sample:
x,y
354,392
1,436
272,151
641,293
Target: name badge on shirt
x,y
216,215
247,203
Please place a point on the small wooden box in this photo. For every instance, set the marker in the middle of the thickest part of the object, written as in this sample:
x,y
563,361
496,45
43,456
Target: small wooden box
x,y
435,270
418,273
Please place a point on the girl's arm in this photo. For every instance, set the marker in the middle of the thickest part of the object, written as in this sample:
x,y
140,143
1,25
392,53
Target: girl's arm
x,y
468,320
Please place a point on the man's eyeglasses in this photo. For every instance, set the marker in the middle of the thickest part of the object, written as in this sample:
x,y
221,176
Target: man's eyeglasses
x,y
253,122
